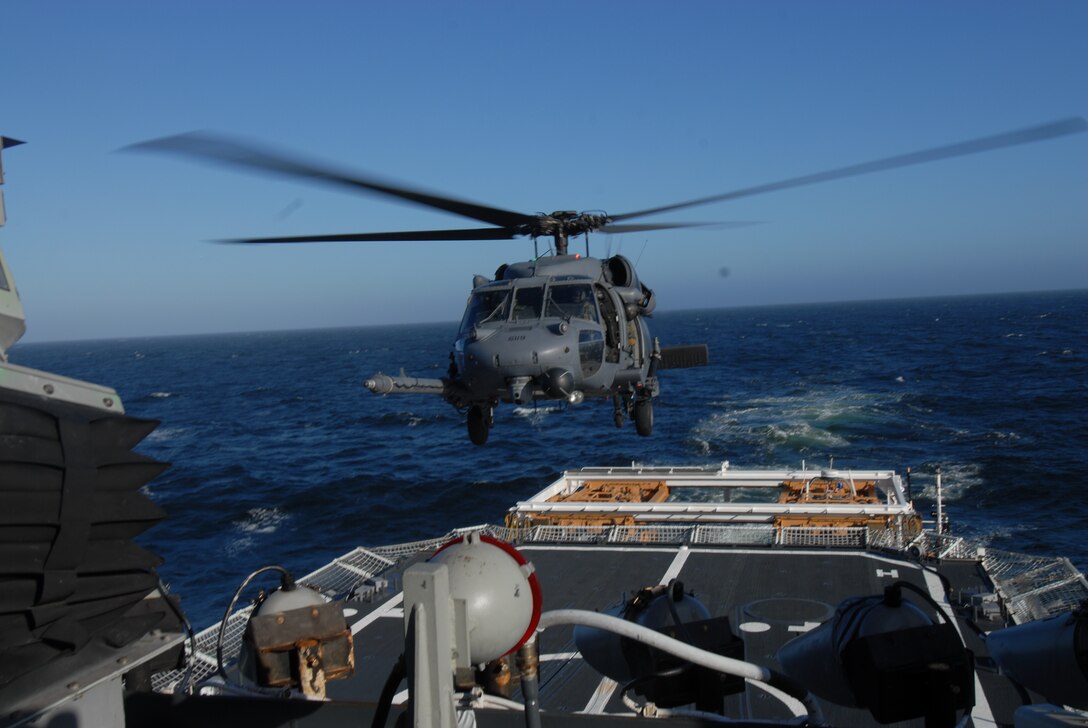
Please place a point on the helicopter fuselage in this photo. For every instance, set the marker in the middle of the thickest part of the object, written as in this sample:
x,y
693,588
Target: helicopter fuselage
x,y
560,328
556,328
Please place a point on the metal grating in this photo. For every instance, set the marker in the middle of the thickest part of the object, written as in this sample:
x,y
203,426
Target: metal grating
x,y
943,546
956,548
510,535
1035,587
823,537
569,534
204,665
734,535
885,538
398,551
650,534
337,578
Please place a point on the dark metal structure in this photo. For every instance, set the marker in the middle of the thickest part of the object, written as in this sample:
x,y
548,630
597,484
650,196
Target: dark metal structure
x,y
74,585
70,507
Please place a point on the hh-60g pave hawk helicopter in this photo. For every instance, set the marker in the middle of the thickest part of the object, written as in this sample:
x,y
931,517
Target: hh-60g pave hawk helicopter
x,y
558,327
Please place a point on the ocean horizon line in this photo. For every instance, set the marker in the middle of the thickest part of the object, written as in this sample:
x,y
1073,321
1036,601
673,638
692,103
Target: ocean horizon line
x,y
452,322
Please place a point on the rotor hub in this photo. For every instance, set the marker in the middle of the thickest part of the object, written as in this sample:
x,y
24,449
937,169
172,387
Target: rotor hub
x,y
562,224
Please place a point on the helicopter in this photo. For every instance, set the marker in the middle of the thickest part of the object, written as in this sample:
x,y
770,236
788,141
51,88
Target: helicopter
x,y
561,326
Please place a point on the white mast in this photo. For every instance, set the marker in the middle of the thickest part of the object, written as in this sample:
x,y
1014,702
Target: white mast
x,y
12,318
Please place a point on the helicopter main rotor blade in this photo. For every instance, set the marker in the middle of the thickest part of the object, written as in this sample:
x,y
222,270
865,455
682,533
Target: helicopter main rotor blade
x,y
227,151
396,236
646,227
1073,125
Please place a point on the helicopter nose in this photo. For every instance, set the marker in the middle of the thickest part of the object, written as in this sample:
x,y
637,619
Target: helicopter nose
x,y
480,367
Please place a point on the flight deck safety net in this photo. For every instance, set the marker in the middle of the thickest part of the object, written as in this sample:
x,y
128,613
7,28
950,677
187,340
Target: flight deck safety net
x,y
1035,587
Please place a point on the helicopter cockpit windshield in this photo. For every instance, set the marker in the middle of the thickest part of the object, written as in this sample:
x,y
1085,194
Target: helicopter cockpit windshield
x,y
571,300
485,306
528,303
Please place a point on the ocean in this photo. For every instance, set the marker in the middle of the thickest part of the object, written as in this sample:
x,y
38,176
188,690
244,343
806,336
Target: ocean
x,y
280,456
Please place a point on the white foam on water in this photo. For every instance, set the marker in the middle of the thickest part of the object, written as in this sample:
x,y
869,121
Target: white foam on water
x,y
956,480
804,434
995,435
798,422
165,434
262,520
536,415
258,522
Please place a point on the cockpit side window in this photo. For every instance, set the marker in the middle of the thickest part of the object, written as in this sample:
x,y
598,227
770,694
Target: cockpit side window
x,y
485,306
571,300
528,303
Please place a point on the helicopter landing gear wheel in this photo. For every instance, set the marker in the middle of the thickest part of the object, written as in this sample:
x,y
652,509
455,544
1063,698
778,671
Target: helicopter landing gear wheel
x,y
479,425
644,417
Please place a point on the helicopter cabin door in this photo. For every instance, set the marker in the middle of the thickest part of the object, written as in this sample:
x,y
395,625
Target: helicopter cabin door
x,y
590,351
574,303
611,323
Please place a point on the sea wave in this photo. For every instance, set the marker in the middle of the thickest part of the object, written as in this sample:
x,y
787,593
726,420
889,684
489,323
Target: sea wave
x,y
538,410
794,425
257,522
164,434
957,480
261,520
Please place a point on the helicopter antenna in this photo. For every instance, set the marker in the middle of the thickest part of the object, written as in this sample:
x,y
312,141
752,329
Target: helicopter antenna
x,y
644,242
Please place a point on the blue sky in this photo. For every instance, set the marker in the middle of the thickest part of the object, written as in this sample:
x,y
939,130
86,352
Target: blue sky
x,y
531,107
